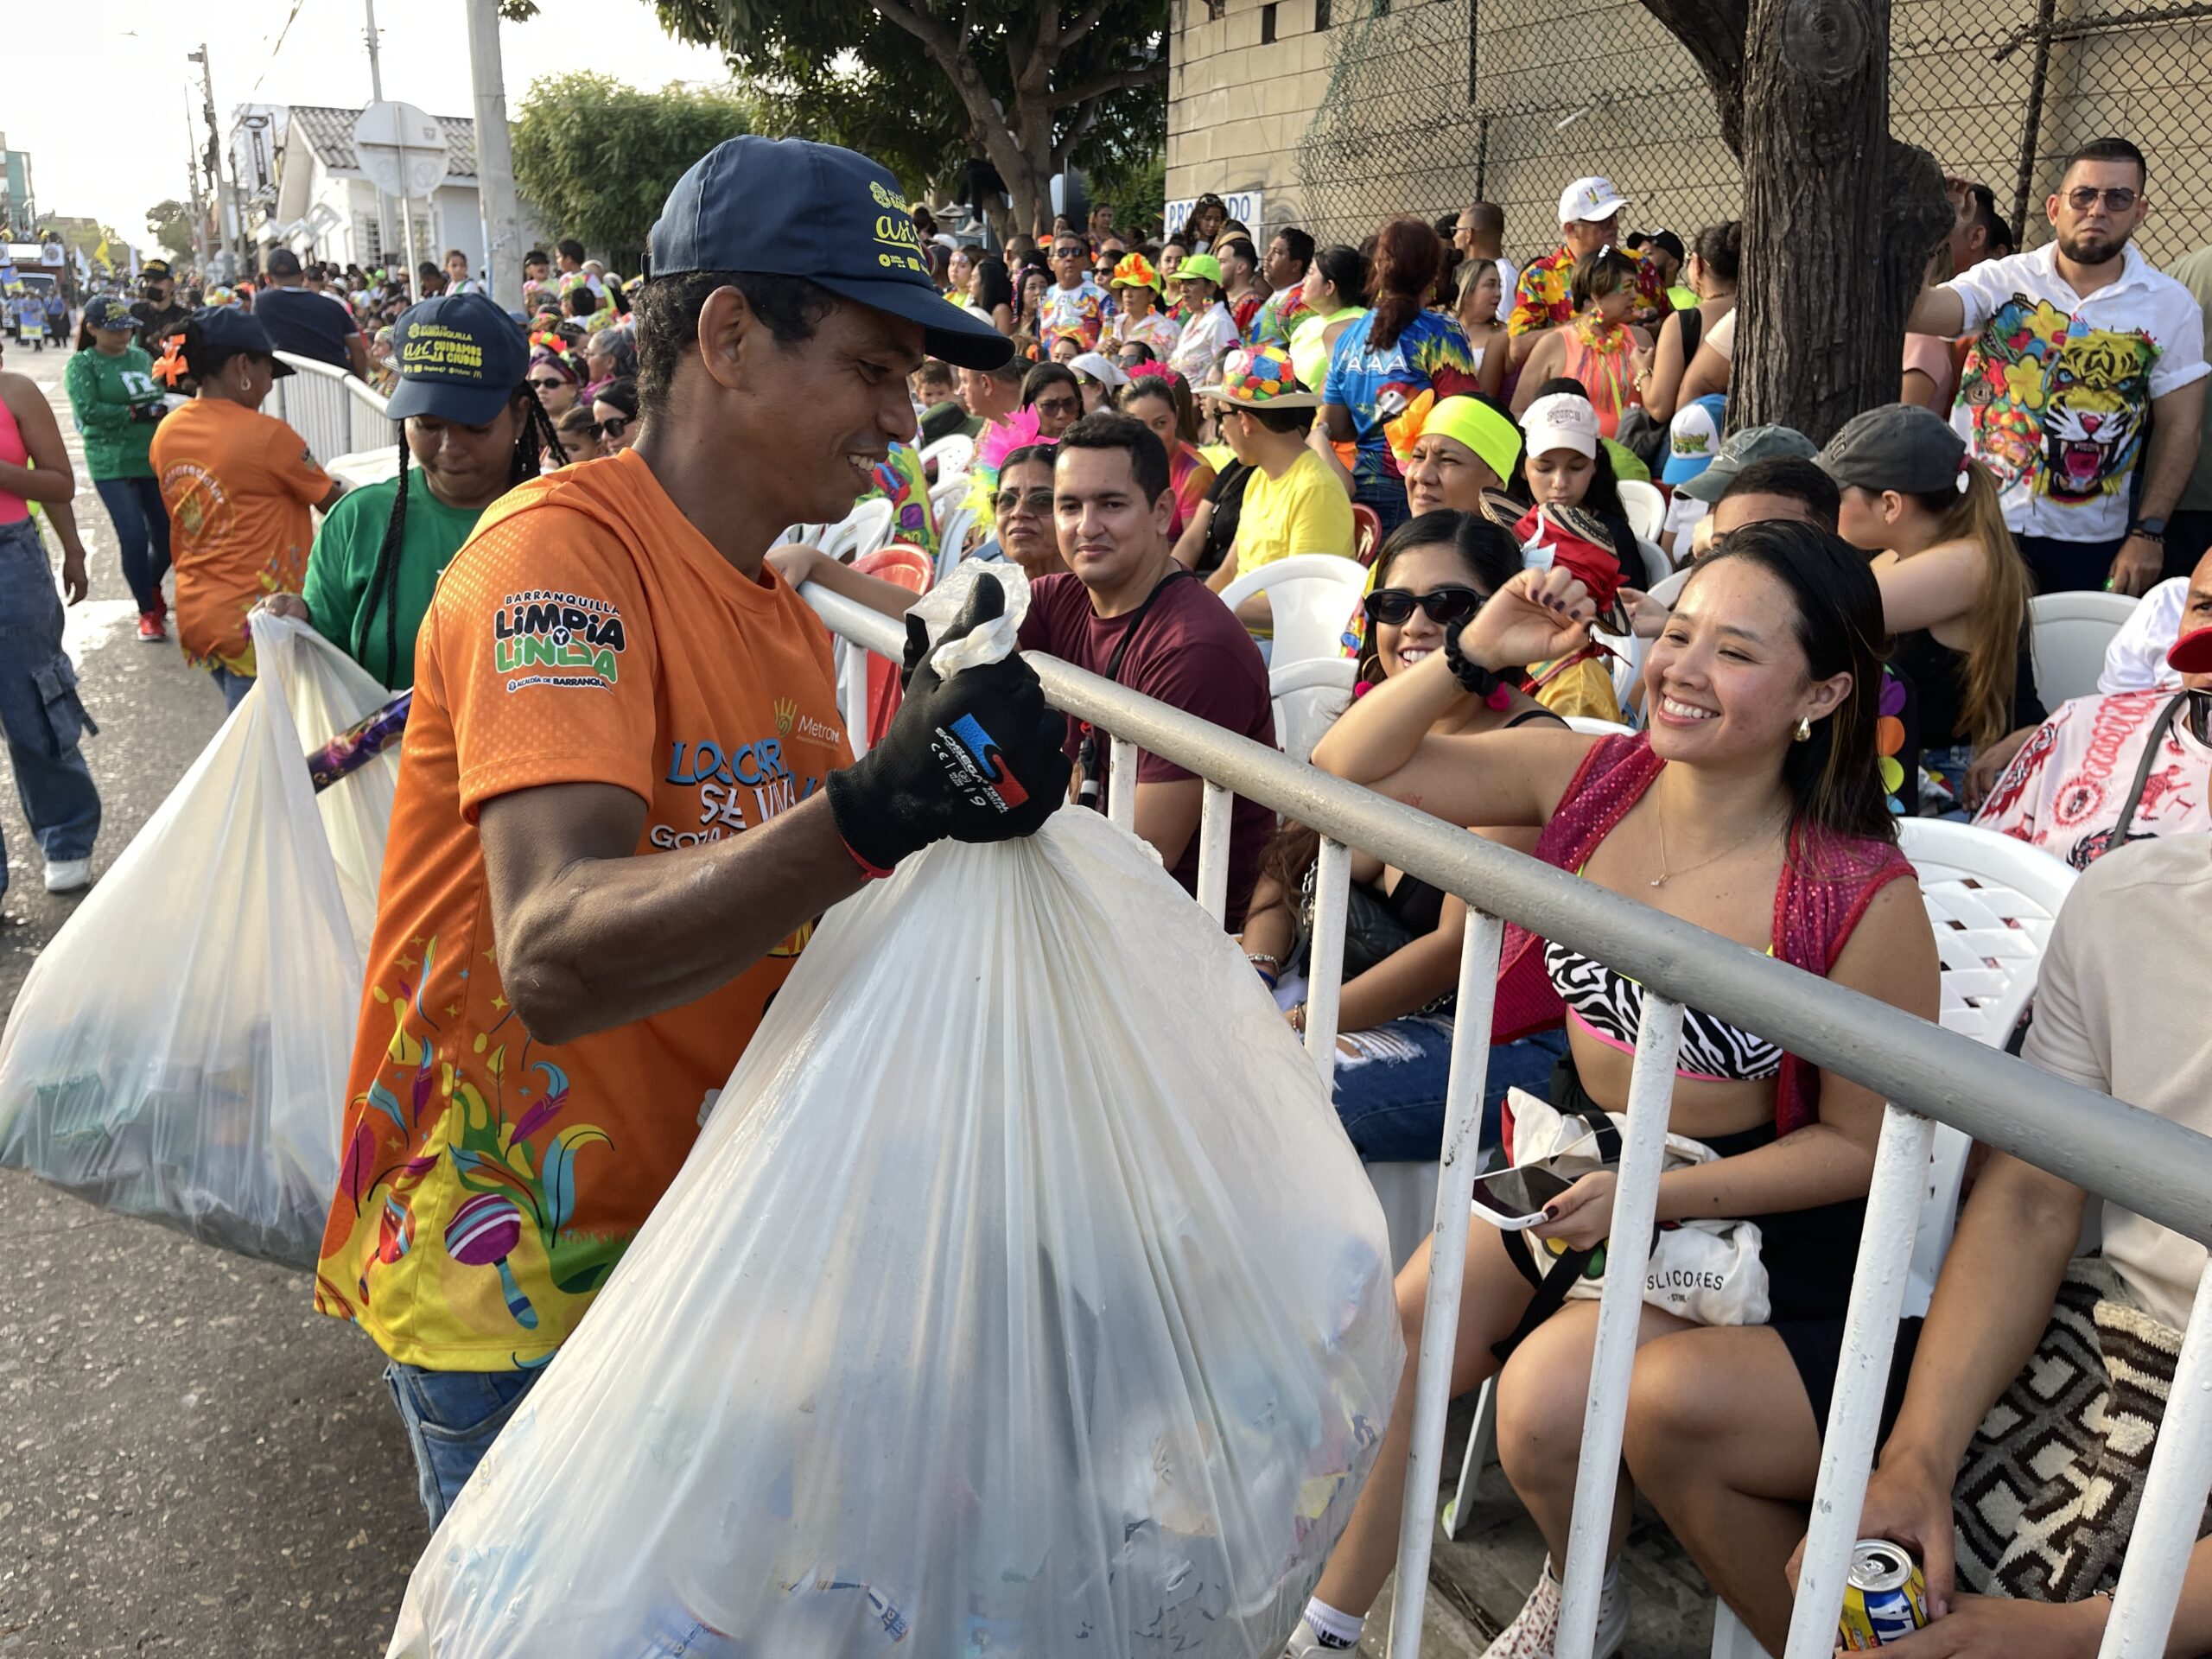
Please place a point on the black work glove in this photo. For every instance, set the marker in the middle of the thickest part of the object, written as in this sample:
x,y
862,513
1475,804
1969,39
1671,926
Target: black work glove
x,y
148,414
974,758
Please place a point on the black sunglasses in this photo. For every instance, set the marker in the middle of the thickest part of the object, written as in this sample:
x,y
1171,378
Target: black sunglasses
x,y
613,429
1393,607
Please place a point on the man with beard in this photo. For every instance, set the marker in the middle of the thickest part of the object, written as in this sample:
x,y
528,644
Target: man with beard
x,y
2078,345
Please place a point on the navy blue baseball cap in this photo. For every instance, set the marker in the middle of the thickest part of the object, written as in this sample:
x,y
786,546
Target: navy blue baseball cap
x,y
106,311
459,357
225,331
791,207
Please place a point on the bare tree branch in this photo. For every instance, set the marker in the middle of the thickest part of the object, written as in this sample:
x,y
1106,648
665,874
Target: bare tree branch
x,y
1145,75
1085,21
1086,114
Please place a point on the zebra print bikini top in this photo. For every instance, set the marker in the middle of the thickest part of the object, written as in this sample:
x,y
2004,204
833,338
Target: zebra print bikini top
x,y
1609,1006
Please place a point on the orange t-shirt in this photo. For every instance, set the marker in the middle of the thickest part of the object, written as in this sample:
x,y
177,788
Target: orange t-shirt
x,y
586,634
237,485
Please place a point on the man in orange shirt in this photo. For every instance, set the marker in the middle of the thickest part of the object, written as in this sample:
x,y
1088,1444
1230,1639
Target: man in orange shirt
x,y
239,484
626,792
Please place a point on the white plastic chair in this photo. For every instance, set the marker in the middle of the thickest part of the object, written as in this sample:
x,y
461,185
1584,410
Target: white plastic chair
x,y
866,528
2070,631
1670,589
1991,902
1591,726
1311,595
1308,696
954,454
1645,506
952,538
361,467
949,493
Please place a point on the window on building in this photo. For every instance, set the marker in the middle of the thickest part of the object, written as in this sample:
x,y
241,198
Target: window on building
x,y
1267,24
1321,15
1216,9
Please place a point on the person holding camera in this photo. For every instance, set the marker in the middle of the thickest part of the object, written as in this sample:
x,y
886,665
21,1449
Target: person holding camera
x,y
117,404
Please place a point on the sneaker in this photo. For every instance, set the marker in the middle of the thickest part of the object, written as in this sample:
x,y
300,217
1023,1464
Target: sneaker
x,y
68,875
1305,1644
151,629
1534,1633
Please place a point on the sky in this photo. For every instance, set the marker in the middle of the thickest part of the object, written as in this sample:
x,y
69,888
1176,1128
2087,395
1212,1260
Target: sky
x,y
107,141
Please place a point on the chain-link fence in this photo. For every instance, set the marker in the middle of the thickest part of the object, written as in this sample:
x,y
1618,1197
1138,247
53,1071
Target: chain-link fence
x,y
1433,103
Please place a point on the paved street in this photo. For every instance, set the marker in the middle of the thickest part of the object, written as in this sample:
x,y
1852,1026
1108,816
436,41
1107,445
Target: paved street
x,y
192,1461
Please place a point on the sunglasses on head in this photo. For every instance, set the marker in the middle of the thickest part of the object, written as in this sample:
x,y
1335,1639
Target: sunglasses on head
x,y
1394,607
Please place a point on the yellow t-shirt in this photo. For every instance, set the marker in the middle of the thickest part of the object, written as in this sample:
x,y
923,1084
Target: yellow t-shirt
x,y
1305,511
586,633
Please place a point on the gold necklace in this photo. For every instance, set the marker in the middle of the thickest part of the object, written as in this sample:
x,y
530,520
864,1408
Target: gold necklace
x,y
1659,813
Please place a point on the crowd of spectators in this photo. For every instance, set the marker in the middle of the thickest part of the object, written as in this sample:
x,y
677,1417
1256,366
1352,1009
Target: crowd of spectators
x,y
1785,648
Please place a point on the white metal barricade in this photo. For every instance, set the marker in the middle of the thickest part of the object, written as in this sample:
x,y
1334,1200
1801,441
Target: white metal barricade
x,y
2156,1168
335,412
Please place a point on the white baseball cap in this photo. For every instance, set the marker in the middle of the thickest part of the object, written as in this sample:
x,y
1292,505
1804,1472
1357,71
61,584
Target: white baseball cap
x,y
1590,198
1560,421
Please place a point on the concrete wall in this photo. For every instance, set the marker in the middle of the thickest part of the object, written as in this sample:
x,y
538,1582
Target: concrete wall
x,y
1565,87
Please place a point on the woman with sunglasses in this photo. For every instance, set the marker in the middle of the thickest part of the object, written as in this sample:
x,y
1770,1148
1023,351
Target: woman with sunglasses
x,y
1052,391
614,414
1022,510
556,374
1752,808
1394,1059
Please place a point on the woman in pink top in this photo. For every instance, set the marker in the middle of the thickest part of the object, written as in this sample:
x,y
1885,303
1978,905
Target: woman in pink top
x,y
39,710
1597,347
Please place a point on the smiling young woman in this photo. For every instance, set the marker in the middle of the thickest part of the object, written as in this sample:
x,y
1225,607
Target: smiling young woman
x,y
1753,808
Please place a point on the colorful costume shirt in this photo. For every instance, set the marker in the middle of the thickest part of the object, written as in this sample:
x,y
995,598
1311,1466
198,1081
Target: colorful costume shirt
x,y
900,479
2056,388
1544,297
1082,310
1430,354
488,1182
2065,790
1279,318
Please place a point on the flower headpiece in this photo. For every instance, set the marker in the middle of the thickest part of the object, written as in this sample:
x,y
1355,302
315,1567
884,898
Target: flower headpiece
x,y
1138,371
172,367
1134,271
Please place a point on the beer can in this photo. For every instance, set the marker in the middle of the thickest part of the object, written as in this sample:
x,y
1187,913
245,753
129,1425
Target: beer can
x,y
1884,1597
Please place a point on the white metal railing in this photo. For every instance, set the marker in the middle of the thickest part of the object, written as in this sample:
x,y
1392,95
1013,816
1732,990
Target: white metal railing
x,y
337,413
2146,1164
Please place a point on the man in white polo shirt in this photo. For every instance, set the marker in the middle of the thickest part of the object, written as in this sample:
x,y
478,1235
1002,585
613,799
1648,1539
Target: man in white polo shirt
x,y
2087,364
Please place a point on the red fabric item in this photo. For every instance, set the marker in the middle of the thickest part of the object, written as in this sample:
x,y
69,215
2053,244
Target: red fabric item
x,y
1596,566
911,569
1826,883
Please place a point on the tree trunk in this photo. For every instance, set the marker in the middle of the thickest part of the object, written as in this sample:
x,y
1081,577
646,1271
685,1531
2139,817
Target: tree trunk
x,y
1839,218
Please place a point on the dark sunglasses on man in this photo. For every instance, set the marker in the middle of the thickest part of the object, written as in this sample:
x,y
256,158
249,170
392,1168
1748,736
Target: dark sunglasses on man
x,y
1446,606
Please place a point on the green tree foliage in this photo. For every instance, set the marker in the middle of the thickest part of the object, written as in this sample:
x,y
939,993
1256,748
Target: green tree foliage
x,y
170,224
1033,85
595,159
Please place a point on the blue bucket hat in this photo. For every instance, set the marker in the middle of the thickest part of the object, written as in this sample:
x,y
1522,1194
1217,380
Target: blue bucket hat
x,y
791,207
459,357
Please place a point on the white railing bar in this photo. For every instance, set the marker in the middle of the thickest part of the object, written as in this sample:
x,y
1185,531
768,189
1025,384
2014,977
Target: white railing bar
x,y
1894,1198
1213,850
2161,1170
2165,1535
1325,955
1121,784
852,697
1620,1311
1447,1267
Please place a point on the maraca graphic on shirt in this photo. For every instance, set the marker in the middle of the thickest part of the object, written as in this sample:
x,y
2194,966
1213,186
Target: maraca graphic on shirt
x,y
483,1233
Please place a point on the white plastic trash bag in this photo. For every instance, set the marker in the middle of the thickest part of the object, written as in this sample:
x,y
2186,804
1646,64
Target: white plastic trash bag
x,y
1022,1296
180,1051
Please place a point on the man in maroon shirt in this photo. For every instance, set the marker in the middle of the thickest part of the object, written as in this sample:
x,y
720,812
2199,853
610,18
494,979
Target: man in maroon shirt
x,y
1130,613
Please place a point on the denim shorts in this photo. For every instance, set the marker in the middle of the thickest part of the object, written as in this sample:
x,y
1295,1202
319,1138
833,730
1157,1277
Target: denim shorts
x,y
452,1418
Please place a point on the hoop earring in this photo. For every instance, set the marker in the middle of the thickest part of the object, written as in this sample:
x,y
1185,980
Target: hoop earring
x,y
1804,734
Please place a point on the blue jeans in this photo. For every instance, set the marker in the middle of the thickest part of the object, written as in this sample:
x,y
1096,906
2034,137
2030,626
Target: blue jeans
x,y
1392,1105
1387,497
40,713
142,526
452,1418
233,686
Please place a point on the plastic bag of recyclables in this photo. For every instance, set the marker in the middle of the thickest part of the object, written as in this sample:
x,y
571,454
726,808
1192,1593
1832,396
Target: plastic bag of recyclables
x,y
179,1052
1022,1296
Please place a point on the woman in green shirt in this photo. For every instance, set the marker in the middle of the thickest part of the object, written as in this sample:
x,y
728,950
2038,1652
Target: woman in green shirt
x,y
470,431
116,403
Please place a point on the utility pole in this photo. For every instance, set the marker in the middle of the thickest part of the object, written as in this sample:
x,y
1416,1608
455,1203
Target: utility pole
x,y
495,164
227,219
376,95
198,201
